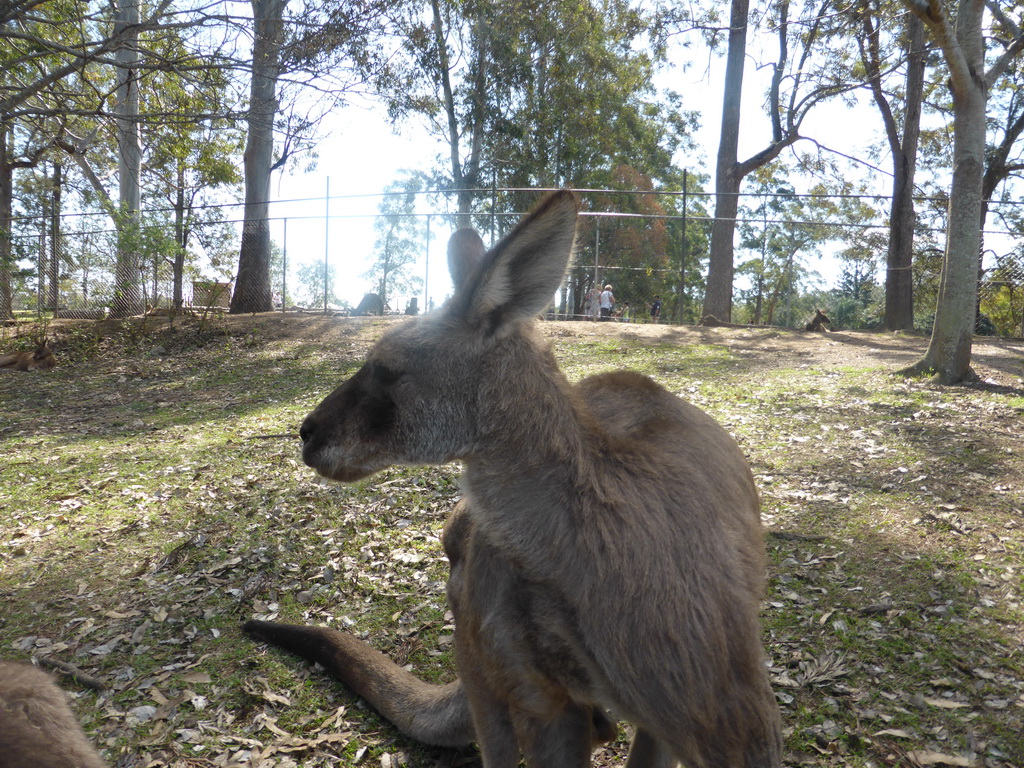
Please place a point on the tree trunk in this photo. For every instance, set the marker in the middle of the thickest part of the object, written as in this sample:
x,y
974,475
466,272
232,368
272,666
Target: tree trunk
x,y
899,278
56,207
127,296
759,301
177,299
949,352
718,293
252,285
6,253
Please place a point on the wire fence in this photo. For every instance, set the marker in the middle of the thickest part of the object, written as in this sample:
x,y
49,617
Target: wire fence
x,y
363,255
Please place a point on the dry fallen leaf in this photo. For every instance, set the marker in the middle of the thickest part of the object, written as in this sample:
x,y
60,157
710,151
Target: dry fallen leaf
x,y
945,703
924,757
896,732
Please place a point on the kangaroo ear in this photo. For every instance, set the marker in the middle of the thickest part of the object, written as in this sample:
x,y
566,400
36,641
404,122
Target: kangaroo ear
x,y
465,251
518,278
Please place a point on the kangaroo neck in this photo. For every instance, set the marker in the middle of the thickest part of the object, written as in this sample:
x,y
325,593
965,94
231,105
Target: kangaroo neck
x,y
532,454
527,412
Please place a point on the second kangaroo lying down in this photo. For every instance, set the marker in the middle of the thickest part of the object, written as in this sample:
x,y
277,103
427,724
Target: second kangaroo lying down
x,y
608,554
39,359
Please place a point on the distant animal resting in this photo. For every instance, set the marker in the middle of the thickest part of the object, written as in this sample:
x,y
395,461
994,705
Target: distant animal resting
x,y
39,359
37,727
607,558
371,304
818,322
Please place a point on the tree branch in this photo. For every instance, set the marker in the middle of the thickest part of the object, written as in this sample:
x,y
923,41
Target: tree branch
x,y
1000,65
76,150
17,10
80,58
933,14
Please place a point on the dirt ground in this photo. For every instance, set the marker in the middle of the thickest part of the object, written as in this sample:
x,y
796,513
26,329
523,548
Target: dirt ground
x,y
997,361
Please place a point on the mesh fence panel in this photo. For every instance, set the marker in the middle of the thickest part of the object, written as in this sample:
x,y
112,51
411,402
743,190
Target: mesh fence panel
x,y
651,248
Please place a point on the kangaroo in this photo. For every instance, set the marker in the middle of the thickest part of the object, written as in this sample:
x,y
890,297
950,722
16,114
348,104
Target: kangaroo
x,y
40,359
818,322
607,557
37,727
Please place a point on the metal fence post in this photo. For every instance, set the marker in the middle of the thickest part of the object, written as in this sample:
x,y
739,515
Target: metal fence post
x,y
327,236
683,247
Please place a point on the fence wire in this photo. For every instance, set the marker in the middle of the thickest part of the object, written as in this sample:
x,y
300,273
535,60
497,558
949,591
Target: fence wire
x,y
346,255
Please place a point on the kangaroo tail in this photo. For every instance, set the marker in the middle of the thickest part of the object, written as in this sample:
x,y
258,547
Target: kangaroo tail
x,y
432,714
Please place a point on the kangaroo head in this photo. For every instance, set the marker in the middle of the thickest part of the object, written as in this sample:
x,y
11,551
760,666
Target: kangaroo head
x,y
42,357
414,401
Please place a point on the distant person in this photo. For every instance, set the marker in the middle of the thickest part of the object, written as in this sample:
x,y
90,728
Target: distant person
x,y
656,309
607,302
625,313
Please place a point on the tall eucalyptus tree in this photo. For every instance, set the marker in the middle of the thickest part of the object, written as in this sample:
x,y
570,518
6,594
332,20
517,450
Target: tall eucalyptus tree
x,y
798,83
324,48
127,294
973,71
67,68
532,95
252,291
900,111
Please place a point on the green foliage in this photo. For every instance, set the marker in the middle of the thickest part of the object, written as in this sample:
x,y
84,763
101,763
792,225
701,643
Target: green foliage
x,y
927,273
783,229
558,96
1003,305
1002,295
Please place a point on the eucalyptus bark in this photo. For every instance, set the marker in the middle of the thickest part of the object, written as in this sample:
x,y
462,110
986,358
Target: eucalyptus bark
x,y
899,278
963,48
252,291
730,171
6,205
56,208
949,352
718,292
127,293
